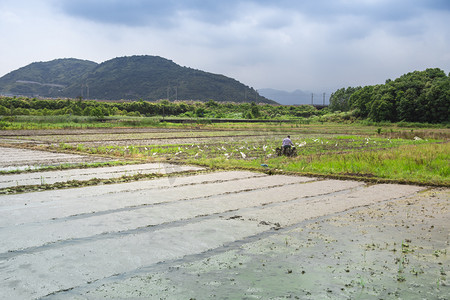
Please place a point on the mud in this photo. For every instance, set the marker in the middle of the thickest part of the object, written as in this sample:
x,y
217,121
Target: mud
x,y
125,136
51,177
226,235
218,235
391,250
21,159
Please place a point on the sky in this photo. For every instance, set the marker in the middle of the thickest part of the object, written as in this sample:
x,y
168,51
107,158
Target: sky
x,y
310,45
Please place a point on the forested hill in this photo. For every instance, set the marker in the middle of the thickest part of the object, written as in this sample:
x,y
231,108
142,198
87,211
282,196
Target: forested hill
x,y
47,79
419,96
130,78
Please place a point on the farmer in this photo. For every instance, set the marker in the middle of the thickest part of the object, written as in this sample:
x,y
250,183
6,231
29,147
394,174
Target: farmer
x,y
287,143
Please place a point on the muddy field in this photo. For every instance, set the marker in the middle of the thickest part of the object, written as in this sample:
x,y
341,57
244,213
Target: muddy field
x,y
216,235
128,136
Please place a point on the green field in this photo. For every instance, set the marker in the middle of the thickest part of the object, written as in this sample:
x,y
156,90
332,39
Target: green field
x,y
406,153
374,152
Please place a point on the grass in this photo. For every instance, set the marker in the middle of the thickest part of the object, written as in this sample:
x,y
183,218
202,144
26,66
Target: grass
x,y
75,122
419,163
314,125
377,152
424,162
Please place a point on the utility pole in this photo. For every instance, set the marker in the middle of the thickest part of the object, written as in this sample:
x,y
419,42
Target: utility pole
x,y
312,98
323,99
87,90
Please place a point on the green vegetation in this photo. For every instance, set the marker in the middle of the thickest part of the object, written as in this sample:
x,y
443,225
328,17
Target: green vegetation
x,y
370,158
419,96
136,77
64,111
414,98
399,161
47,79
396,132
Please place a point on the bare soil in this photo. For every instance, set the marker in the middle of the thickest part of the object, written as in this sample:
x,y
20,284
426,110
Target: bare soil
x,y
123,136
391,250
221,235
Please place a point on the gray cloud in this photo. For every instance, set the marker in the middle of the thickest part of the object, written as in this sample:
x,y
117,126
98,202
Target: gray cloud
x,y
346,19
158,13
166,12
284,44
130,12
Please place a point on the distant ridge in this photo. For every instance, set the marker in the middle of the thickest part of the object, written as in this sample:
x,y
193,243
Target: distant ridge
x,y
130,78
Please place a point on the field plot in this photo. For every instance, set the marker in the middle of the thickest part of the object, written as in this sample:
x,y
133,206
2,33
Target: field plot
x,y
195,236
126,136
206,233
22,159
51,177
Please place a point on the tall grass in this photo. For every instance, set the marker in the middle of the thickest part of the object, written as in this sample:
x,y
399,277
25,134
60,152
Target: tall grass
x,y
417,164
424,163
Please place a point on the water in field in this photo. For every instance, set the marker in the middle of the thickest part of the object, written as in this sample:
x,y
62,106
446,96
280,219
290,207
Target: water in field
x,y
368,253
226,235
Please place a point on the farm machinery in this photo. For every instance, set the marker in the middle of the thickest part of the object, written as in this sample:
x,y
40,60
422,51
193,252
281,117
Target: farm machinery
x,y
291,151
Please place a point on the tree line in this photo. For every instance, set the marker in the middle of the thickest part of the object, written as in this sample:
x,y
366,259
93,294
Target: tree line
x,y
419,96
10,106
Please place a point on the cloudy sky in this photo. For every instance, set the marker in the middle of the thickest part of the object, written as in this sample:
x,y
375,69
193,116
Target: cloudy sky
x,y
313,45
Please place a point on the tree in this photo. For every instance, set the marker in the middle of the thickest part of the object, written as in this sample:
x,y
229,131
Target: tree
x,y
361,100
406,109
380,110
200,112
419,96
254,110
339,100
4,111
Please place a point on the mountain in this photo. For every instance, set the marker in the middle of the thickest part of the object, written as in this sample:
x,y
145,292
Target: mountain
x,y
132,78
296,97
45,78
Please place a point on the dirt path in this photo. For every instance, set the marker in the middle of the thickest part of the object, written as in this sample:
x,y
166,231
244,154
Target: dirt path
x,y
225,234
